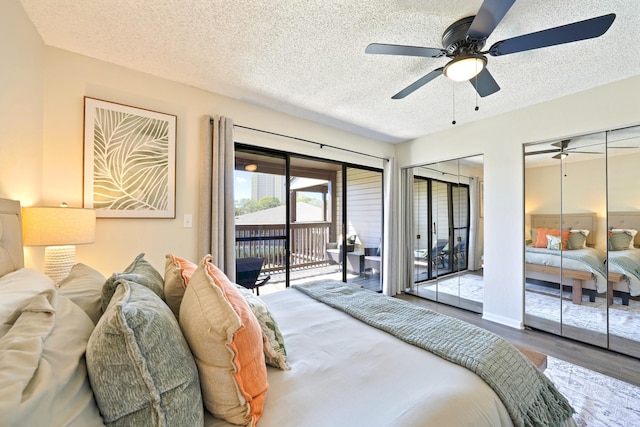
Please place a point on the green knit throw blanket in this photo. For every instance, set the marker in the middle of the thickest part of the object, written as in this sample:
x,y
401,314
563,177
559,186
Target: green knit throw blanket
x,y
529,396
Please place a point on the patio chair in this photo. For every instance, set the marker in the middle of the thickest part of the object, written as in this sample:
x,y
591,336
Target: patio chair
x,y
456,256
248,273
438,253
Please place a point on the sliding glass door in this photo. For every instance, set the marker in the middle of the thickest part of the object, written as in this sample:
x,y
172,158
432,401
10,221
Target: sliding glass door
x,y
260,196
364,226
307,218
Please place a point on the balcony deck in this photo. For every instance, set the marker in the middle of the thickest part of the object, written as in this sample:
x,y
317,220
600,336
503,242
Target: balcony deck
x,y
301,275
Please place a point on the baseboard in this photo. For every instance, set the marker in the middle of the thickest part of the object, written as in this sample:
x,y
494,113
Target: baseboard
x,y
502,320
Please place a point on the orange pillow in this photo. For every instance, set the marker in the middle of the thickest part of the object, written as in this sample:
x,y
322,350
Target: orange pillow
x,y
541,237
226,342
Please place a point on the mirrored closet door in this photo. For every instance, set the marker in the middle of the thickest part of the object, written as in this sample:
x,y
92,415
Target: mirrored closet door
x,y
444,210
623,260
582,210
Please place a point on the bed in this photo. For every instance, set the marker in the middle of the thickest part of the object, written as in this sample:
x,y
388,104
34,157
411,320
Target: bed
x,y
63,365
625,261
582,267
586,268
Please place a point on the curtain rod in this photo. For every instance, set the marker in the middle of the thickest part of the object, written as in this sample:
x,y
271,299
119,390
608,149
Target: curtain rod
x,y
322,145
443,173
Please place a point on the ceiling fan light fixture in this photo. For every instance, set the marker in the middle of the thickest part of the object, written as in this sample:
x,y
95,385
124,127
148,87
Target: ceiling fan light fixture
x,y
251,167
465,67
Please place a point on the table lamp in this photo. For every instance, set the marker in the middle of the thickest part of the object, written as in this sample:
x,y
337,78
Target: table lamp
x,y
59,229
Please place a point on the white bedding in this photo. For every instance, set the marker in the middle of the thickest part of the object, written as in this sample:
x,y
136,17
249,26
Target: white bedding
x,y
347,373
632,276
545,257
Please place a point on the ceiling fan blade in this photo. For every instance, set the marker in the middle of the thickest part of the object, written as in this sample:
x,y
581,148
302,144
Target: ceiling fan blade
x,y
418,84
582,30
562,144
396,49
531,153
484,83
560,156
584,152
488,17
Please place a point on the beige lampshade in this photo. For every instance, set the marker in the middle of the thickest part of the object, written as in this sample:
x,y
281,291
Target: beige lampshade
x,y
59,229
55,226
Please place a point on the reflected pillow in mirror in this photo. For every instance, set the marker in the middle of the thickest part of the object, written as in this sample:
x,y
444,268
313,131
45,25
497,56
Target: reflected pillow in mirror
x,y
542,233
554,242
620,239
577,239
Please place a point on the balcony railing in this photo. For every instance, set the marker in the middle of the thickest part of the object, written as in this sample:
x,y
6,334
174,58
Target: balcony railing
x,y
308,244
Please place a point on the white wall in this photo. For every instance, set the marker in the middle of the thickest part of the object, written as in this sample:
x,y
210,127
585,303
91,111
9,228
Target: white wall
x,y
69,77
21,95
500,139
21,110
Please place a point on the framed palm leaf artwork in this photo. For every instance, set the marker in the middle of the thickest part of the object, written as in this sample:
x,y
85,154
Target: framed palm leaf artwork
x,y
129,161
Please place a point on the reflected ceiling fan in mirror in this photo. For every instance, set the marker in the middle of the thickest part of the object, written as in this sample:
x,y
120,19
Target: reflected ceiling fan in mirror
x,y
562,151
464,39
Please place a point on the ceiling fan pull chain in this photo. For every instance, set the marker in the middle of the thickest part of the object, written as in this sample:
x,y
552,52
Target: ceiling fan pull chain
x,y
453,87
476,77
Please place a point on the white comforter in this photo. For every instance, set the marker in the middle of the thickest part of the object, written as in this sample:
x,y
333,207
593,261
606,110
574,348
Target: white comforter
x,y
633,280
345,373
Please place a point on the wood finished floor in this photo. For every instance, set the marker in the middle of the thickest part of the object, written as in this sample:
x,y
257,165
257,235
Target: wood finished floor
x,y
606,362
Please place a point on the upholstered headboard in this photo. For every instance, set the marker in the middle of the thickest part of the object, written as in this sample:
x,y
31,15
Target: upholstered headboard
x,y
11,255
581,221
629,220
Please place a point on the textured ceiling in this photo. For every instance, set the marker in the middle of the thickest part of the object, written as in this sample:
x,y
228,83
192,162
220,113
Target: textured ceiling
x,y
306,57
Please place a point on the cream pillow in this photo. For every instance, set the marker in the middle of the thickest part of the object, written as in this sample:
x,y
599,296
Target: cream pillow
x,y
226,342
83,286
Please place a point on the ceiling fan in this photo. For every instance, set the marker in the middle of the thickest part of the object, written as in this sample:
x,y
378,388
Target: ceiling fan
x,y
464,39
562,151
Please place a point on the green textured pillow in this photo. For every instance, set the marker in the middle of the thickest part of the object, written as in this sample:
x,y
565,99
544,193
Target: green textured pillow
x,y
140,366
275,353
577,239
619,240
140,272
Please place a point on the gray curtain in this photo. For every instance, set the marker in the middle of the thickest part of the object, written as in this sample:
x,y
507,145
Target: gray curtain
x,y
216,224
474,199
391,259
407,229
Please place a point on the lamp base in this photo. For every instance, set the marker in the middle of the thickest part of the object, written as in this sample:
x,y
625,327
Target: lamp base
x,y
58,261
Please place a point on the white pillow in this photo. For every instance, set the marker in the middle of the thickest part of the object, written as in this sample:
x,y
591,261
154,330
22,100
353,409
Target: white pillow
x,y
17,287
554,242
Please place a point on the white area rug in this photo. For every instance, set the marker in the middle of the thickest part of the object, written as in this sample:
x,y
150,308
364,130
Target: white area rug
x,y
467,286
623,321
599,400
